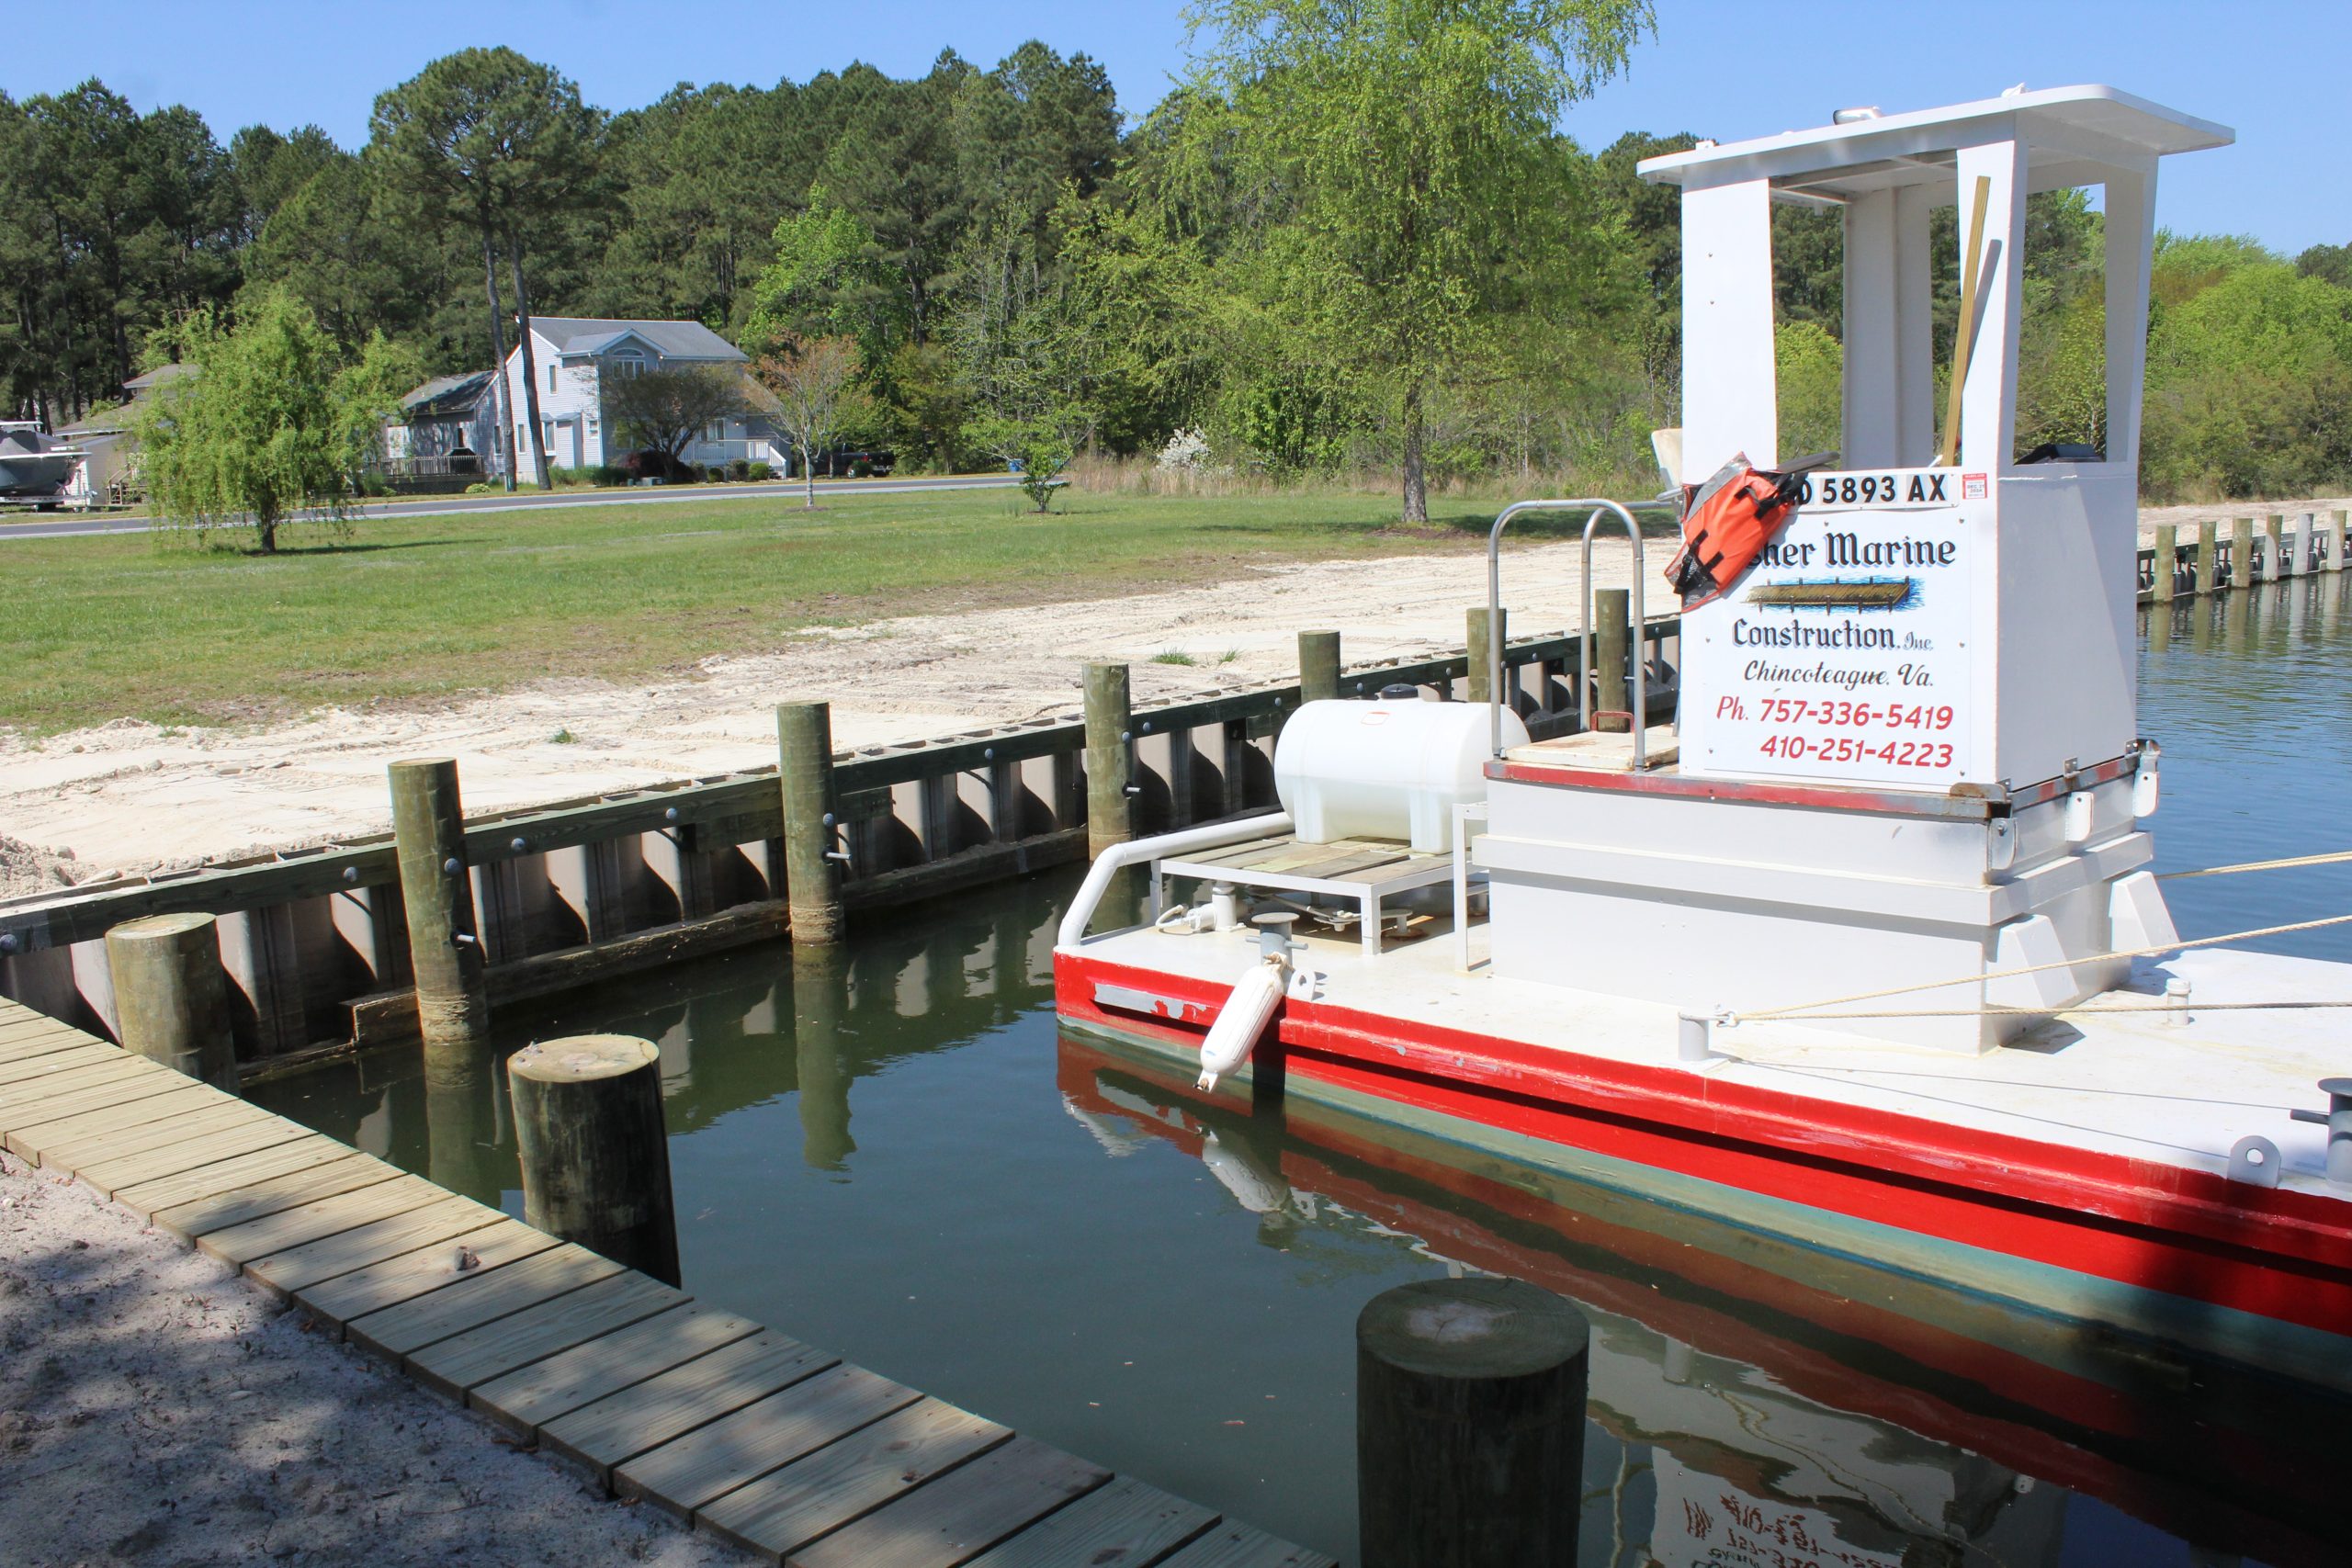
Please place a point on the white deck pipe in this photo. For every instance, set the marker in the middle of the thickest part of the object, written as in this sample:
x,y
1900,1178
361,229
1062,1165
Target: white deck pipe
x,y
1118,857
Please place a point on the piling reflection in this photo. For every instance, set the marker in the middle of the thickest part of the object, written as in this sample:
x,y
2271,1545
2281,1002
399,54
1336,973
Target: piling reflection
x,y
460,1117
820,1045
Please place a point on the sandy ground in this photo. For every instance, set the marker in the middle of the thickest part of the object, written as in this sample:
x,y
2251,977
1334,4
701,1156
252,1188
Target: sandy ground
x,y
124,796
156,1408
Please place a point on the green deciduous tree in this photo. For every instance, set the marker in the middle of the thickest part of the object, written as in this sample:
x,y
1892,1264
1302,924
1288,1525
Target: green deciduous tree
x,y
662,409
1810,368
2248,376
1410,146
1032,356
826,278
274,422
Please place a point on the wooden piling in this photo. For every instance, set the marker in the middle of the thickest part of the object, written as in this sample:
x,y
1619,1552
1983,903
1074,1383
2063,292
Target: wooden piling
x,y
2242,553
2209,555
595,1156
804,735
2336,531
171,997
1318,666
1470,1398
428,831
1484,641
1110,722
2274,547
2167,563
1613,702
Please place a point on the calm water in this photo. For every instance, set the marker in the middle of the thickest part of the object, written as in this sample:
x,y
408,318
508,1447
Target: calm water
x,y
896,1155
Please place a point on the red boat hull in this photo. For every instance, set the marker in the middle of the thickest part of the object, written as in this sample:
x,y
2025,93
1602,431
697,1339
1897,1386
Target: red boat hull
x,y
2260,1275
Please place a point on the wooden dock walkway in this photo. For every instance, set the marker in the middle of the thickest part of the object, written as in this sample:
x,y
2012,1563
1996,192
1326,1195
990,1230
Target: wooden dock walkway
x,y
745,1432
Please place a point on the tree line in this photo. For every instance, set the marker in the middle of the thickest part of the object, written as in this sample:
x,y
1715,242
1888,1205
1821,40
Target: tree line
x,y
1351,238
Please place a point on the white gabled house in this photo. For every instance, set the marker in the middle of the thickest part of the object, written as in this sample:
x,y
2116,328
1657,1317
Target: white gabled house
x,y
575,357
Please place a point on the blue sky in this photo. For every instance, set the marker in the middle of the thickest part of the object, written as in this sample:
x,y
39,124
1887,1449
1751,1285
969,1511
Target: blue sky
x,y
2271,69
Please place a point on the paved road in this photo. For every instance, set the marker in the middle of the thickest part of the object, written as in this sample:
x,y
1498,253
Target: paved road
x,y
53,526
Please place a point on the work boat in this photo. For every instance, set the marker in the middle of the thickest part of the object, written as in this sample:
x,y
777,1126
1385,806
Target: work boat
x,y
1861,949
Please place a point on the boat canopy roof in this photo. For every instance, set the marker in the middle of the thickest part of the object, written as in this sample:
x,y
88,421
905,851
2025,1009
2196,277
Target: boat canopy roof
x,y
2075,135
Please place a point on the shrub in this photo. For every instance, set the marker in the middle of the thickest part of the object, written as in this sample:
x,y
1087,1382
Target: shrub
x,y
1187,451
653,463
760,473
738,470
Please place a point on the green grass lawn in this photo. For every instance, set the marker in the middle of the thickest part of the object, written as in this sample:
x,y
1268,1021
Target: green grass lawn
x,y
405,609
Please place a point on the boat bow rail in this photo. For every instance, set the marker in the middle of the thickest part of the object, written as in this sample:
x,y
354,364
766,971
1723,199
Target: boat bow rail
x,y
1142,852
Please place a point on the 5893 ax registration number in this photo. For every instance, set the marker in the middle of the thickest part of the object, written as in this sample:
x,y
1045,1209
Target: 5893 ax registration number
x,y
1886,487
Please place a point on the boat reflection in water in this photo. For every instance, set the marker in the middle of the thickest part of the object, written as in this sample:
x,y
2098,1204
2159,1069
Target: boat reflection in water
x,y
1772,1404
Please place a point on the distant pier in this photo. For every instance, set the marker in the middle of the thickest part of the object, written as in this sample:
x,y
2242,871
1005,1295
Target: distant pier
x,y
2216,555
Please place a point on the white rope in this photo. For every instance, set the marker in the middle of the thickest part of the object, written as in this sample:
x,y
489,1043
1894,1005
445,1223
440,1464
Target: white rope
x,y
2080,1008
2329,858
1813,1008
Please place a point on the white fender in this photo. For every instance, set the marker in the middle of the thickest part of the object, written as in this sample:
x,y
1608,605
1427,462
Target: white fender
x,y
1242,1018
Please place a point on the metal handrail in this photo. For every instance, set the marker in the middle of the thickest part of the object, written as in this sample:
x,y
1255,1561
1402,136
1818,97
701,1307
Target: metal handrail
x,y
1600,507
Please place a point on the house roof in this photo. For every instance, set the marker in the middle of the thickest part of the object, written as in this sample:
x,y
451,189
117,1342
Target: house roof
x,y
115,421
671,339
158,376
447,395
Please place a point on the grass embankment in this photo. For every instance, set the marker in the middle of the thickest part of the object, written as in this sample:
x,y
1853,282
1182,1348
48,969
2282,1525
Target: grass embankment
x,y
407,609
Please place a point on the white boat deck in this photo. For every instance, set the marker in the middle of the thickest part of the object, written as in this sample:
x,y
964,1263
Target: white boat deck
x,y
2098,1078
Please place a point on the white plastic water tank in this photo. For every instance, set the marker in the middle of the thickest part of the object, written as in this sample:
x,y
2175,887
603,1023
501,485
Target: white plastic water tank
x,y
1386,769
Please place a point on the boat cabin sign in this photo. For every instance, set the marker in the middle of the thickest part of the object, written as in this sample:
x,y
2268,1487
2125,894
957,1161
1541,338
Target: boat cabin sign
x,y
1844,651
1944,609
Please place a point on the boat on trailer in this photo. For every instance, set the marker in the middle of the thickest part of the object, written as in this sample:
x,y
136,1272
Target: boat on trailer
x,y
34,466
1861,950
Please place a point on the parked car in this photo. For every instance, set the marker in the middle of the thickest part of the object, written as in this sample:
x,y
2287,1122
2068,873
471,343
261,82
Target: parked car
x,y
653,463
857,464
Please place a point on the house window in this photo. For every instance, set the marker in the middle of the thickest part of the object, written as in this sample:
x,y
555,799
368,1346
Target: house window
x,y
717,431
628,362
550,377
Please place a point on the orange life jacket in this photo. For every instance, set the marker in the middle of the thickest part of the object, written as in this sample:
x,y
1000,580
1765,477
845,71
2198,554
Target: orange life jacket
x,y
1727,522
